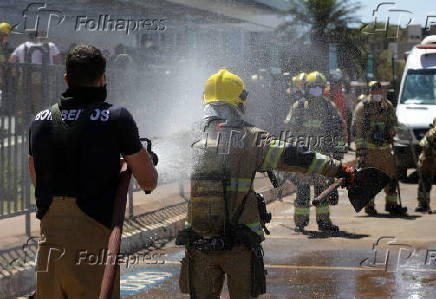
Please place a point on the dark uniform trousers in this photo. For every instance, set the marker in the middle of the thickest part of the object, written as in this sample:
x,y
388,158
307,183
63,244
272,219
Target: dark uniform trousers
x,y
427,166
69,260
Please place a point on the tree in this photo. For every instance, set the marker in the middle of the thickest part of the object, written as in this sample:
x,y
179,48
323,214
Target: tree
x,y
322,22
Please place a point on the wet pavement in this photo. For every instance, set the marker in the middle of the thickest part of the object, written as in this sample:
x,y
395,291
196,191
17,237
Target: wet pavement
x,y
378,257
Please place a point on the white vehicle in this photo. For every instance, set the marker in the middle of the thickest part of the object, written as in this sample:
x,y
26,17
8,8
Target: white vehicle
x,y
416,102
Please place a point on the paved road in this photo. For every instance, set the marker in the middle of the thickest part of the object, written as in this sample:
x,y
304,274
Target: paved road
x,y
381,257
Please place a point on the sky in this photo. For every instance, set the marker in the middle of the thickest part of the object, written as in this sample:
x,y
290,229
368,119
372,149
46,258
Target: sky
x,y
419,9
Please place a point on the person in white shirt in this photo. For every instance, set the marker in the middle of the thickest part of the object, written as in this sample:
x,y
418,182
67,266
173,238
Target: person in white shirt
x,y
19,53
35,52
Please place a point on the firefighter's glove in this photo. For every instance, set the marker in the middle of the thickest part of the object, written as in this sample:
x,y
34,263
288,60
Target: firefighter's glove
x,y
333,198
348,174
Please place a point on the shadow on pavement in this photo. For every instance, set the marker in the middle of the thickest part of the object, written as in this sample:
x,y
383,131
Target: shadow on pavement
x,y
386,215
340,234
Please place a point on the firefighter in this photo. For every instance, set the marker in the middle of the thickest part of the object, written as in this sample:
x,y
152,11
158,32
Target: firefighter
x,y
5,30
224,227
296,92
34,51
375,124
316,123
334,92
74,162
360,98
427,169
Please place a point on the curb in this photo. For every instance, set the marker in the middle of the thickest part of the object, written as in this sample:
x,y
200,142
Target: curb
x,y
18,281
132,242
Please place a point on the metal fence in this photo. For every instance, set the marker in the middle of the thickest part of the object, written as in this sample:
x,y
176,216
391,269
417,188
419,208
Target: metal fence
x,y
25,89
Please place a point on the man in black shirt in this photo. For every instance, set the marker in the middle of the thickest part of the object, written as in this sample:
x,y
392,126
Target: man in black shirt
x,y
74,162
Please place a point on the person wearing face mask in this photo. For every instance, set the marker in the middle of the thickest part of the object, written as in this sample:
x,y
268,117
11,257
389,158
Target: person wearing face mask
x,y
5,30
224,226
427,169
295,92
375,125
74,163
315,122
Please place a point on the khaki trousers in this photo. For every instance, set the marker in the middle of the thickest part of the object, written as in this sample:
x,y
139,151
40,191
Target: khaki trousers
x,y
384,160
70,263
427,167
209,270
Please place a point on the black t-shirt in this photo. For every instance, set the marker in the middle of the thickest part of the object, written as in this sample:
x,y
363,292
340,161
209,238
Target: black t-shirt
x,y
109,132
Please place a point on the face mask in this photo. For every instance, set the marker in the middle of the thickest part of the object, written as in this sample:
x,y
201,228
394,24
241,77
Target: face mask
x,y
315,91
377,97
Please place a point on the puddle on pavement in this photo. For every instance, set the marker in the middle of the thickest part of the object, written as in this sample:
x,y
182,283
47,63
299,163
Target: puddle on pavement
x,y
345,278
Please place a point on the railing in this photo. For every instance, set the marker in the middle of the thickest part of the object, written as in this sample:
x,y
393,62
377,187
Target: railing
x,y
25,89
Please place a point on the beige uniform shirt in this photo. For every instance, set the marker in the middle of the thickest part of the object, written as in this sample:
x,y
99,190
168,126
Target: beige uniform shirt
x,y
244,150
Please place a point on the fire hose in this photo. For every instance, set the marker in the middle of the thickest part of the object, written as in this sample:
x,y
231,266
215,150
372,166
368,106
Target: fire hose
x,y
117,225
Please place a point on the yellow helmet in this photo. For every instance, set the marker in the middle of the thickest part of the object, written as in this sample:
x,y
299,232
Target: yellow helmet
x,y
374,85
5,28
316,79
299,80
226,87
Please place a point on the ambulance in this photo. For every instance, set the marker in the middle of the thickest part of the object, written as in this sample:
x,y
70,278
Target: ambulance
x,y
416,106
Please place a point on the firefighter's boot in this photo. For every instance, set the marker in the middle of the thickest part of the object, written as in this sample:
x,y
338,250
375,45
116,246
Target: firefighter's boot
x,y
392,206
302,208
423,199
370,209
323,220
423,207
301,218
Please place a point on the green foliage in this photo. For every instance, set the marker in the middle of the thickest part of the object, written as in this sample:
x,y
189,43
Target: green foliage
x,y
383,66
320,22
315,23
378,44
